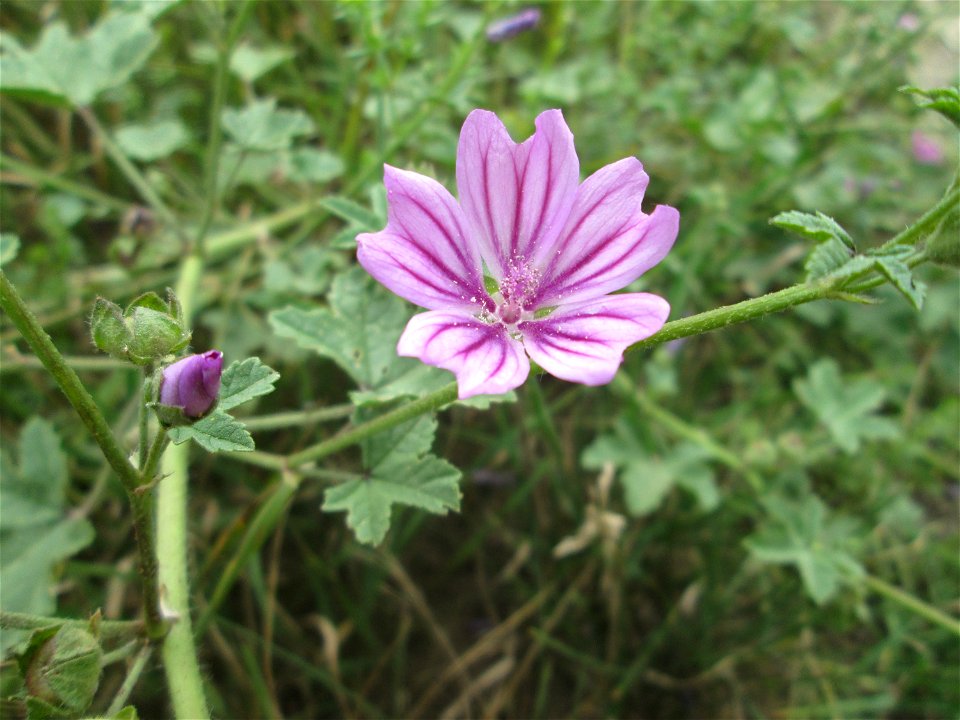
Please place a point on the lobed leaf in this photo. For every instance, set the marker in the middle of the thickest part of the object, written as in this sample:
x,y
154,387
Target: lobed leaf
x,y
799,533
33,532
428,483
359,331
153,140
244,381
846,408
817,227
261,126
61,67
215,433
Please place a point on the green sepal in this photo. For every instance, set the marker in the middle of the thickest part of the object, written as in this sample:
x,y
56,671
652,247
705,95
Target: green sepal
x,y
150,328
109,331
490,285
148,300
61,667
171,415
154,335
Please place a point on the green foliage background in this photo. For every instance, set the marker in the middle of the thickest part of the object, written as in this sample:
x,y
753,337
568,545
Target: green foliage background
x,y
703,538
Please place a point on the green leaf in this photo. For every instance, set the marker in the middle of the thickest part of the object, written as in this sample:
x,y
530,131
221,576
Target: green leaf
x,y
261,126
901,277
398,444
799,533
819,227
428,483
152,141
646,483
847,408
9,247
359,331
215,433
244,381
27,565
77,69
35,493
400,470
249,63
647,480
311,165
945,100
826,258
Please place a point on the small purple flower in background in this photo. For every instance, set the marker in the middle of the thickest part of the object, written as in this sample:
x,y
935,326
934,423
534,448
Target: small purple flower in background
x,y
909,22
549,248
192,383
513,25
926,150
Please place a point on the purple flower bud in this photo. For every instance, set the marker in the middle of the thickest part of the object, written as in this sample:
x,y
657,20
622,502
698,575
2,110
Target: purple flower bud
x,y
192,383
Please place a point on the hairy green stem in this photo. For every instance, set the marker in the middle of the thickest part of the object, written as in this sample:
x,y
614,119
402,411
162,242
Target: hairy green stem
x,y
914,604
130,681
733,314
179,651
157,447
428,403
298,418
141,502
121,653
69,383
928,220
143,422
109,629
92,418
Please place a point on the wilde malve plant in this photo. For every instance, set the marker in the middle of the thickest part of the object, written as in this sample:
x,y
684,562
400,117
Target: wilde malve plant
x,y
525,267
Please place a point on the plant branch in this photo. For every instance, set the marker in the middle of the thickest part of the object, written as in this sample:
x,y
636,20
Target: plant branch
x,y
69,383
109,629
415,408
914,604
130,681
179,650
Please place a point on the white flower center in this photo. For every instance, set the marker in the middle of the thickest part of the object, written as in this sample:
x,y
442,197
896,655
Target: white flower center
x,y
518,286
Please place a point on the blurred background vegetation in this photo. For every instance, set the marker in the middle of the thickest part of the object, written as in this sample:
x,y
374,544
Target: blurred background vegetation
x,y
713,535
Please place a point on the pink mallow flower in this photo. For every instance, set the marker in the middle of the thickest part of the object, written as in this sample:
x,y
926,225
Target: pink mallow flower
x,y
192,383
549,248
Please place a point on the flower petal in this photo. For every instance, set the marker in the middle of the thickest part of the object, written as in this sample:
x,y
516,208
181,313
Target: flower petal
x,y
425,253
584,342
485,359
607,242
516,197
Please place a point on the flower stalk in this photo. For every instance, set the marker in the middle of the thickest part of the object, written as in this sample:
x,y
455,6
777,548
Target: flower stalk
x,y
131,478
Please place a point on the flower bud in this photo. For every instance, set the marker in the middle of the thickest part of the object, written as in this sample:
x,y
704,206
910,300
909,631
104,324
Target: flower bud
x,y
192,383
147,331
61,668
